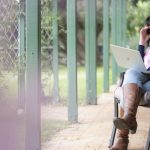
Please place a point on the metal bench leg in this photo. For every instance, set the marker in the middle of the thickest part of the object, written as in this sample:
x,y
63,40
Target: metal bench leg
x,y
113,133
147,147
112,138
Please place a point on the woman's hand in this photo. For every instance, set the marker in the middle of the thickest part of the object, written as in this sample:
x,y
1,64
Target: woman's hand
x,y
144,37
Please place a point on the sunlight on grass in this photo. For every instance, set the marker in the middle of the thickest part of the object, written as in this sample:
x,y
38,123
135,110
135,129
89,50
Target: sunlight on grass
x,y
51,127
81,77
11,82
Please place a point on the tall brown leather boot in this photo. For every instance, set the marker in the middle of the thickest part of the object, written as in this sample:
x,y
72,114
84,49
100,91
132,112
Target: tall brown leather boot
x,y
121,140
131,94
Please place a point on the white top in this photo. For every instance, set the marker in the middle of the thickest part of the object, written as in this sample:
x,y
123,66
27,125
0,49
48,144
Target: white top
x,y
147,58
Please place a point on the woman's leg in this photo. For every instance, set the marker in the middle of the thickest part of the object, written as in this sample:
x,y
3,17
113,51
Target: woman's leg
x,y
122,138
134,76
145,100
132,85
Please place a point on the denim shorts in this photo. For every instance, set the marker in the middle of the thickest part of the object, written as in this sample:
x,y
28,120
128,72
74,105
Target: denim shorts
x,y
139,78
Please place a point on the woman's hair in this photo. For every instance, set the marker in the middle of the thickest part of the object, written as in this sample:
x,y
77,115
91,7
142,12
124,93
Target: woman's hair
x,y
147,22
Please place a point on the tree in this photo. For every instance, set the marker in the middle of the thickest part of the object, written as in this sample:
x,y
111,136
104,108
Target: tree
x,y
136,15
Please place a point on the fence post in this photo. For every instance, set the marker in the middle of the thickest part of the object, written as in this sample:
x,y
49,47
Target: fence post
x,y
124,21
106,45
90,50
114,38
33,75
119,22
21,72
71,61
55,50
118,31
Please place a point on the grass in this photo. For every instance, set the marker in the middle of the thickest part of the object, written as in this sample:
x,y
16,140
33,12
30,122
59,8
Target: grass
x,y
50,127
11,81
81,83
9,86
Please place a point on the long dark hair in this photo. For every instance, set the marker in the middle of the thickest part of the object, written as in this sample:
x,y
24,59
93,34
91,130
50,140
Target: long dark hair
x,y
147,22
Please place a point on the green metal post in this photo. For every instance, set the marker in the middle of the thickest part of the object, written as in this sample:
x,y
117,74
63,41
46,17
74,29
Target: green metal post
x,y
119,23
124,22
90,44
71,61
33,76
114,38
55,51
118,31
106,45
121,27
21,72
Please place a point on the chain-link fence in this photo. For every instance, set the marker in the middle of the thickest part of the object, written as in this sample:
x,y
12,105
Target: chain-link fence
x,y
46,37
9,48
8,34
11,56
46,47
9,15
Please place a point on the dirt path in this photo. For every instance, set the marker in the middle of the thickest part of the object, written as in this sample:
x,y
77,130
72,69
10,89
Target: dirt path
x,y
92,132
94,124
94,128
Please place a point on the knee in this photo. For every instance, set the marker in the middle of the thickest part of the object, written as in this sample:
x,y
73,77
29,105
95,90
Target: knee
x,y
131,73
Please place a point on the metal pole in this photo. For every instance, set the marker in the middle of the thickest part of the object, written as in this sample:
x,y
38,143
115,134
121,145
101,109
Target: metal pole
x,y
33,76
124,22
55,50
119,23
106,45
21,72
121,26
71,61
90,42
118,31
114,38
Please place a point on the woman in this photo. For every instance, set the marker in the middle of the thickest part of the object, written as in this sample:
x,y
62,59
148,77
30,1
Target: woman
x,y
134,83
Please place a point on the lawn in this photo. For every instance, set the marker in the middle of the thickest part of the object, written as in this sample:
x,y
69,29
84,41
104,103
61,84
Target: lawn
x,y
81,83
11,82
8,86
81,78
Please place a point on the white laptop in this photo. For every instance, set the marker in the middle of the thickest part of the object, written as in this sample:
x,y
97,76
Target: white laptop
x,y
128,58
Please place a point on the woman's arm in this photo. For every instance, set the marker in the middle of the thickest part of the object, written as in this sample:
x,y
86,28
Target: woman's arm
x,y
144,37
141,49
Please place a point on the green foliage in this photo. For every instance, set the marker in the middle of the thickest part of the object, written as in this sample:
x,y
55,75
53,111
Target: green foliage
x,y
134,2
46,36
136,16
46,20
